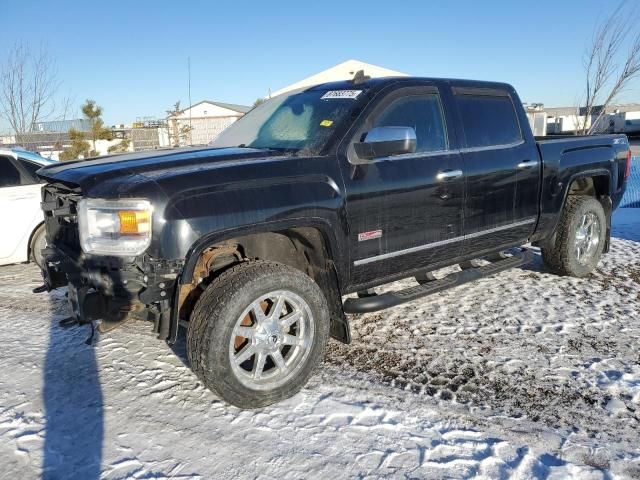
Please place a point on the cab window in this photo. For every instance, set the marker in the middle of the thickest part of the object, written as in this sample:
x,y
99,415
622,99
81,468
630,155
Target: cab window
x,y
488,120
421,112
9,174
30,168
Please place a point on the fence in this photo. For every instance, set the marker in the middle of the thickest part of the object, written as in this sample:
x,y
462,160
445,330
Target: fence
x,y
631,197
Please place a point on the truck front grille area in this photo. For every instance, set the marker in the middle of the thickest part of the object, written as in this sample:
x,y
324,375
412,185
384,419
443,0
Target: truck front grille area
x,y
59,204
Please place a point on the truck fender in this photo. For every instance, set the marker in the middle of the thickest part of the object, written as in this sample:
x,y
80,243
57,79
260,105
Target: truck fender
x,y
326,275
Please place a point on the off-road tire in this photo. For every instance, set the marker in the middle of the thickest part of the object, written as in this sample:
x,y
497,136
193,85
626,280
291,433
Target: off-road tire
x,y
38,242
560,258
214,317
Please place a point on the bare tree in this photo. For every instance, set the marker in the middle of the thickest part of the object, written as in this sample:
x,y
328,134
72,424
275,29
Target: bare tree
x,y
609,69
28,84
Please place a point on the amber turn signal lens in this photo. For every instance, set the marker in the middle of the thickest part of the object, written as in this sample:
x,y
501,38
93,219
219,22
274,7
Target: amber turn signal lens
x,y
134,222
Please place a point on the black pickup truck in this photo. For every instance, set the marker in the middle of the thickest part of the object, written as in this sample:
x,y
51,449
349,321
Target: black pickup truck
x,y
251,243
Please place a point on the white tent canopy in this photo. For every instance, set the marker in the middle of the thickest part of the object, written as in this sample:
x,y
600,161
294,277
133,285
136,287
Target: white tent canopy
x,y
342,71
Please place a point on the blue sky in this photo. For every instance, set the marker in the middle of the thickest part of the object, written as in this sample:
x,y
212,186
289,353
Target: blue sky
x,y
131,57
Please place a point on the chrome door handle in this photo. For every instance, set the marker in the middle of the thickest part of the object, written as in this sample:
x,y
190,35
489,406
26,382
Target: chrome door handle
x,y
448,175
527,164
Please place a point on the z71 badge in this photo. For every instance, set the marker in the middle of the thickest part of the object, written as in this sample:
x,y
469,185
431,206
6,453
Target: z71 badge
x,y
369,235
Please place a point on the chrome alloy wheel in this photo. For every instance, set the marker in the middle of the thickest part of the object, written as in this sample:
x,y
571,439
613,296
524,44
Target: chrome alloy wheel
x,y
587,237
271,340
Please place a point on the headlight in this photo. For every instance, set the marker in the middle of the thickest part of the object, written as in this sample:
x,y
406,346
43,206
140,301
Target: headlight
x,y
114,227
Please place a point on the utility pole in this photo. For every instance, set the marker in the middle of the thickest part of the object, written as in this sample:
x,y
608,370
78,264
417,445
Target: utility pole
x,y
190,104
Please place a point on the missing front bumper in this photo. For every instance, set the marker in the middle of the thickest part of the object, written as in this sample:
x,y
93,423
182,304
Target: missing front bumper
x,y
112,291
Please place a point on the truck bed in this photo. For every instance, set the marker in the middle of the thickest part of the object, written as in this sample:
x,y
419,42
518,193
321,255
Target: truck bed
x,y
566,157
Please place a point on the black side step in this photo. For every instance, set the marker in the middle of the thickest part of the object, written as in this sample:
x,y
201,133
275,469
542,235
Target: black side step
x,y
391,299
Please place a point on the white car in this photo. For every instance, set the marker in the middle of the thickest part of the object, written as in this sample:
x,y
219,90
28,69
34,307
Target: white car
x,y
23,235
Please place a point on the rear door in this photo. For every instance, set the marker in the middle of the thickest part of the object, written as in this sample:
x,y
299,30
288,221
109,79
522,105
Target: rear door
x,y
404,211
501,167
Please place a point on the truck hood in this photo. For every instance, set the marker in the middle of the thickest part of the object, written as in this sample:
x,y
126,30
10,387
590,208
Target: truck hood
x,y
87,173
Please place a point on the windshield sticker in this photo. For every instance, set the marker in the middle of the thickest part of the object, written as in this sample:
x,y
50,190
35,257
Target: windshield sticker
x,y
326,123
352,94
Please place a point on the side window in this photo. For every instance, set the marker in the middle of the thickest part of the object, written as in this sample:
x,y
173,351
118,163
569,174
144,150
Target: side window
x,y
31,168
488,120
424,114
9,175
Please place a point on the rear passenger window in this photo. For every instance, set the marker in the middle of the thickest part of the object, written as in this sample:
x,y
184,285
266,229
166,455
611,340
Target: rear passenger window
x,y
423,114
488,120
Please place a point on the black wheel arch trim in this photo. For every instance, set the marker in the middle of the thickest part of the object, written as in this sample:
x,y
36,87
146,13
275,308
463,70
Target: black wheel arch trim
x,y
599,172
333,281
321,224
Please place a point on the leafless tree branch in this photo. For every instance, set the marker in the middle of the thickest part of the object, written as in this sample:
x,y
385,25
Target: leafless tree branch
x,y
28,84
606,79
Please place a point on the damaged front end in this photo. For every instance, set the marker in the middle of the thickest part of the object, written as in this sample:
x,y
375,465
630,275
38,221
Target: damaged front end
x,y
105,289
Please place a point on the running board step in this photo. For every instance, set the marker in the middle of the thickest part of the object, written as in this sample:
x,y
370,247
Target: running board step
x,y
391,299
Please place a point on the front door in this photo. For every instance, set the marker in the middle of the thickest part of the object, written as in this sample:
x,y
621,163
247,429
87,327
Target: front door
x,y
19,204
404,211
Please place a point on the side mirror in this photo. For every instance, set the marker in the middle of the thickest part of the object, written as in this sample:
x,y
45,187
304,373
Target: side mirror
x,y
386,141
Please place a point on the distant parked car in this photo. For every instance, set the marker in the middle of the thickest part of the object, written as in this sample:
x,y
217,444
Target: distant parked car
x,y
23,235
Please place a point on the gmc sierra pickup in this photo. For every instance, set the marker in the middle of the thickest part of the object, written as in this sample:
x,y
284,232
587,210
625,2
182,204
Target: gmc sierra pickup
x,y
251,243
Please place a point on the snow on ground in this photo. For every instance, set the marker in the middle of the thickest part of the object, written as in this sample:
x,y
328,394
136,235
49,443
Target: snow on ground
x,y
523,374
626,224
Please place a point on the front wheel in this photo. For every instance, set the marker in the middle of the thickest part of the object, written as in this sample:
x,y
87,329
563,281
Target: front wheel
x,y
580,238
257,332
38,243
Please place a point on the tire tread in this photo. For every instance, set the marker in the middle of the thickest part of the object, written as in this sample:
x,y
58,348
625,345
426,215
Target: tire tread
x,y
557,257
203,320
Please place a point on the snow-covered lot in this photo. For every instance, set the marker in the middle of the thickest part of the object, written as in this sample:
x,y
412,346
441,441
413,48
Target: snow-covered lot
x,y
523,374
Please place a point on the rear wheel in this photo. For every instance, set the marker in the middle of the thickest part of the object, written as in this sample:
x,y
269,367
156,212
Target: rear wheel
x,y
257,332
580,238
38,243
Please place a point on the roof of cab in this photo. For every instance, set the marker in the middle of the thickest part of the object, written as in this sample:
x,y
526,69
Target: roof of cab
x,y
380,82
27,155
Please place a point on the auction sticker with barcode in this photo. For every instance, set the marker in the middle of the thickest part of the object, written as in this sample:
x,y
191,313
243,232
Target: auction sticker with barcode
x,y
352,94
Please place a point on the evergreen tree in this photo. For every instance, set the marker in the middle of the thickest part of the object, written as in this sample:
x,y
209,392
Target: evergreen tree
x,y
80,147
97,131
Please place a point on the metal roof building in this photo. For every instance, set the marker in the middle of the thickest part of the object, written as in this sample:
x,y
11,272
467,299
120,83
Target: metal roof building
x,y
202,122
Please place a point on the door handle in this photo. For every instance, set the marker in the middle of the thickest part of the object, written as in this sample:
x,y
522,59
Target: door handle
x,y
528,164
448,175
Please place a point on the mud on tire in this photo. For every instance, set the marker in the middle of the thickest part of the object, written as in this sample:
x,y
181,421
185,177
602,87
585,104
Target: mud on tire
x,y
228,306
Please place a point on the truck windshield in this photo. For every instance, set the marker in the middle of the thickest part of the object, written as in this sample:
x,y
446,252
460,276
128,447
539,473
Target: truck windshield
x,y
300,121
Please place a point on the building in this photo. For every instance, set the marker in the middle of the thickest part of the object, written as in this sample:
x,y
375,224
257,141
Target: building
x,y
47,144
202,122
537,117
626,119
63,126
149,136
570,120
623,118
342,71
